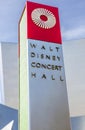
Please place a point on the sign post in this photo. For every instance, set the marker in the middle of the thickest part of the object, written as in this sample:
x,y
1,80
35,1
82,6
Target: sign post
x,y
43,94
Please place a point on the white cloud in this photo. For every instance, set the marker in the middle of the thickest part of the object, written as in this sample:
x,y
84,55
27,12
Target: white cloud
x,y
74,33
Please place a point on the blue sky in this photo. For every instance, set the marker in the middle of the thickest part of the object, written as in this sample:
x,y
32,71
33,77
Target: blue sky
x,y
72,18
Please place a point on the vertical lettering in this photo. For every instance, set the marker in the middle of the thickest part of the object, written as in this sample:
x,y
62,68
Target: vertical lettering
x,y
44,76
57,48
32,54
52,77
58,58
43,47
53,58
50,49
33,75
61,79
60,67
42,56
33,45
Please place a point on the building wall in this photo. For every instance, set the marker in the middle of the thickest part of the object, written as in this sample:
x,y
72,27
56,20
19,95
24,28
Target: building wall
x,y
74,58
10,72
1,79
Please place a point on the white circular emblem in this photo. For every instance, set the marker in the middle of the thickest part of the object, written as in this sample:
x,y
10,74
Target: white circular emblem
x,y
43,18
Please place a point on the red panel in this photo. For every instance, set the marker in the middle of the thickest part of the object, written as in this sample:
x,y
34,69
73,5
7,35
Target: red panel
x,y
43,23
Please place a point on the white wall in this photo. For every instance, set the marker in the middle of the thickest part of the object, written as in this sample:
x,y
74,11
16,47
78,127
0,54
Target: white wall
x,y
1,79
74,59
10,73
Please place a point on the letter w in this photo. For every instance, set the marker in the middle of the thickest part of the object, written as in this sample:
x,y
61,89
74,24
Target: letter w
x,y
33,45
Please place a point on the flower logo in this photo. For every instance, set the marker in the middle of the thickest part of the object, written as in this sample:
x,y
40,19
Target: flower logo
x,y
43,18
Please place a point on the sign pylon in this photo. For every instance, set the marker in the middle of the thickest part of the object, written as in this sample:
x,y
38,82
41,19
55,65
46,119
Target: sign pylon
x,y
43,94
